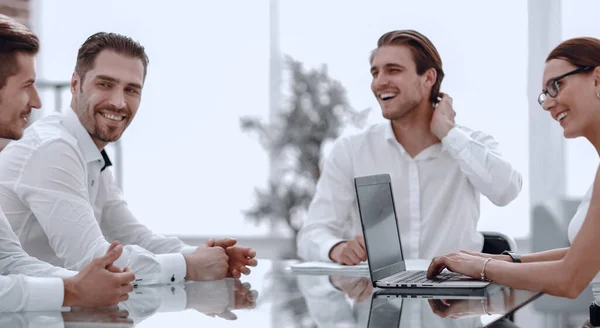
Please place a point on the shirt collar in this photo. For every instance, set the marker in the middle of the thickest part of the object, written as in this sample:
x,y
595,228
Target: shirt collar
x,y
84,140
433,151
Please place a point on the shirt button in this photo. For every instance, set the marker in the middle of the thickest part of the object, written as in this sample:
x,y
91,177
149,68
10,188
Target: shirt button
x,y
92,182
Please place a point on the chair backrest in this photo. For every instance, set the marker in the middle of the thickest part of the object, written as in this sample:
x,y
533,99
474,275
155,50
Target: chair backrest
x,y
550,223
497,242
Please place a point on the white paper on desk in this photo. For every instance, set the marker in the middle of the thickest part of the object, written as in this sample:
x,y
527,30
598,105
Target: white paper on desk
x,y
360,270
329,268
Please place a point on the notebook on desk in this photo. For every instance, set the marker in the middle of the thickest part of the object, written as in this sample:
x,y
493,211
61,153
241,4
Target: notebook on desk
x,y
330,268
335,269
387,267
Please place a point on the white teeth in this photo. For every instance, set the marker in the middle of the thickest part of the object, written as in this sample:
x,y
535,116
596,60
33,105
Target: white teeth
x,y
561,116
386,96
113,117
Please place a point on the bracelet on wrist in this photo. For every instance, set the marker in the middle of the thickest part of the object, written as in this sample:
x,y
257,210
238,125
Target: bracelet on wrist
x,y
483,278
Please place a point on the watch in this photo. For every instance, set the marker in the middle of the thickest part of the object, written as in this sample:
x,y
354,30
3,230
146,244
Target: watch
x,y
514,256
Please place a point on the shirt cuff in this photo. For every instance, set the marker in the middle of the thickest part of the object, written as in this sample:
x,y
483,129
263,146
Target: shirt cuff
x,y
187,249
45,294
326,248
172,268
455,141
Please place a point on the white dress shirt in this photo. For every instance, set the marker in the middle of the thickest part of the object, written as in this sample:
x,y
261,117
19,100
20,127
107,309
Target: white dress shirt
x,y
64,206
32,292
21,293
436,193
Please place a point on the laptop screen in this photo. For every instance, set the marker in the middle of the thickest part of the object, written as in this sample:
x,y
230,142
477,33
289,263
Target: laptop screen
x,y
380,228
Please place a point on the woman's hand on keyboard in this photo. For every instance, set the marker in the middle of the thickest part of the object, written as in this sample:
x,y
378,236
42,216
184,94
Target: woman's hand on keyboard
x,y
460,262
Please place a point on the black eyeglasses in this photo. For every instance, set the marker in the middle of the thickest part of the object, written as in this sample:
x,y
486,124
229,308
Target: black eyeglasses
x,y
553,87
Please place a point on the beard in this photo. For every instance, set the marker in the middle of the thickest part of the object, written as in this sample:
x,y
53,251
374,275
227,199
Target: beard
x,y
107,133
409,102
8,128
95,127
404,109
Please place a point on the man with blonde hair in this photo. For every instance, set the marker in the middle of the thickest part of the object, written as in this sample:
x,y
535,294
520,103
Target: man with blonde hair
x,y
438,168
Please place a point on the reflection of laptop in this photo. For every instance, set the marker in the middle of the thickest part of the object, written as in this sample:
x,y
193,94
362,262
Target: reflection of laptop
x,y
385,312
382,239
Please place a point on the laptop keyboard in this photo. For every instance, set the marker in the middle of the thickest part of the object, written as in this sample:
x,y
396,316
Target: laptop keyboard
x,y
419,277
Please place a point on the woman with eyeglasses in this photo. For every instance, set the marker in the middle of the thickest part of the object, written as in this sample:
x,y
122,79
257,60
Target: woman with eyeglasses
x,y
571,95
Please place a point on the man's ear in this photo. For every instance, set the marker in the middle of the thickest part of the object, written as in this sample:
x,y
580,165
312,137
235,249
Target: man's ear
x,y
75,87
75,84
430,76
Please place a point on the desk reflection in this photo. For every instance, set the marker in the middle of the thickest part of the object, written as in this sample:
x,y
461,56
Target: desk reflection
x,y
213,298
218,299
341,301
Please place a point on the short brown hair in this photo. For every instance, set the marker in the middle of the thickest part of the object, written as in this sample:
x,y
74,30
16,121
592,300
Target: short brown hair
x,y
424,54
14,38
118,43
580,52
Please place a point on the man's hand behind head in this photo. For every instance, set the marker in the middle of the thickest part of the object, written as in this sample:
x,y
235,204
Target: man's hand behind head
x,y
349,252
442,120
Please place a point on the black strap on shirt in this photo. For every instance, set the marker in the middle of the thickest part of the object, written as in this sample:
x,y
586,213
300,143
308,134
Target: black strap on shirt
x,y
107,161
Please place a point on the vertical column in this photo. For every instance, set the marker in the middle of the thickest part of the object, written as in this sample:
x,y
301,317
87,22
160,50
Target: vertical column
x,y
546,143
275,69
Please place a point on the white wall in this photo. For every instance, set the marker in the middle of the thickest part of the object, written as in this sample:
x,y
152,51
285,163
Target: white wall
x,y
188,168
484,59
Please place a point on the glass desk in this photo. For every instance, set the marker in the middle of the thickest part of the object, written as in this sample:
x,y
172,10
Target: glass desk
x,y
271,296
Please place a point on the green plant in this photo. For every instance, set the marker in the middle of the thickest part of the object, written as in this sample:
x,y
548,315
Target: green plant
x,y
315,112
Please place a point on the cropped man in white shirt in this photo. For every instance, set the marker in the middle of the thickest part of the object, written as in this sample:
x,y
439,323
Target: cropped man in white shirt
x,y
63,202
22,286
438,169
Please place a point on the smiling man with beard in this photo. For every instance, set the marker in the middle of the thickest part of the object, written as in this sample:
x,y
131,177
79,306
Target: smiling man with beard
x,y
26,283
60,195
438,168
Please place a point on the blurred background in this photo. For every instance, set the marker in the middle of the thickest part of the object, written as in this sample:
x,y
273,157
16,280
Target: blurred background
x,y
228,80
244,98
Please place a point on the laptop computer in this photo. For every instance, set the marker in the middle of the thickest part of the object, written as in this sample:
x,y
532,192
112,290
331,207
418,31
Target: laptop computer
x,y
387,266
